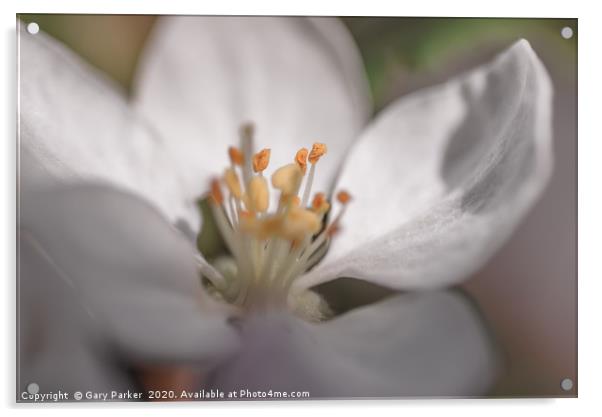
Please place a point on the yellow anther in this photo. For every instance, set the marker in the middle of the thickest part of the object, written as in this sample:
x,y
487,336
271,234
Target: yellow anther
x,y
287,178
317,151
343,197
271,225
232,182
259,197
216,192
319,204
236,156
299,223
292,199
262,228
261,160
301,159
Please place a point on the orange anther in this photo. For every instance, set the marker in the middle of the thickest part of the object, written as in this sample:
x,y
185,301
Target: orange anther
x,y
236,156
317,151
318,201
301,159
216,192
343,197
261,160
319,204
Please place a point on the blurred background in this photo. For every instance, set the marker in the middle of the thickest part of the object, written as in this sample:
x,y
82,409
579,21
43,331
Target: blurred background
x,y
528,292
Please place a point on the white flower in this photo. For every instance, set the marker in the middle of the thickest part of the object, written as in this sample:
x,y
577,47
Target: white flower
x,y
439,180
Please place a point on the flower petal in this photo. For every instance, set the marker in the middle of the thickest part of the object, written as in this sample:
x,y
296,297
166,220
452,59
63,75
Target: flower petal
x,y
59,345
122,287
75,125
299,80
444,176
422,344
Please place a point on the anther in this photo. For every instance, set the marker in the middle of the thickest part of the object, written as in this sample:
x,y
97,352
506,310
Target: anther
x,y
300,223
343,197
261,160
216,192
301,159
287,178
319,204
317,151
236,156
232,182
259,197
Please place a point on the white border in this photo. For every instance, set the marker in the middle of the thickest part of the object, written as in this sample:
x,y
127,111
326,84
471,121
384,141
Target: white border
x,y
590,202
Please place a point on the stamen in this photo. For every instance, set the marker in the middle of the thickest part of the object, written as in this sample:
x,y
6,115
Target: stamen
x,y
299,223
333,229
317,151
232,182
248,221
319,204
259,197
236,156
216,192
343,197
286,199
287,179
261,160
301,159
270,227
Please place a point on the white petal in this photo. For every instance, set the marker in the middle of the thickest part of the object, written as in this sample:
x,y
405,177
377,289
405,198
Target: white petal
x,y
113,261
59,343
442,177
300,80
75,125
422,344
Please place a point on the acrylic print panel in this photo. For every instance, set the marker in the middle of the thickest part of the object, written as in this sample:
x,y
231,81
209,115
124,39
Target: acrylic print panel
x,y
294,208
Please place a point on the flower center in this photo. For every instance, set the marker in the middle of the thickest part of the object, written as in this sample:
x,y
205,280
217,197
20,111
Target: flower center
x,y
272,242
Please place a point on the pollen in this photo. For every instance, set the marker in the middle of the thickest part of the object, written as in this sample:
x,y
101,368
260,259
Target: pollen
x,y
261,160
317,151
236,156
301,159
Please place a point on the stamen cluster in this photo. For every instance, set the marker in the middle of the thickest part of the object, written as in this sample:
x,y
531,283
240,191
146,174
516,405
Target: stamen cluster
x,y
271,248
